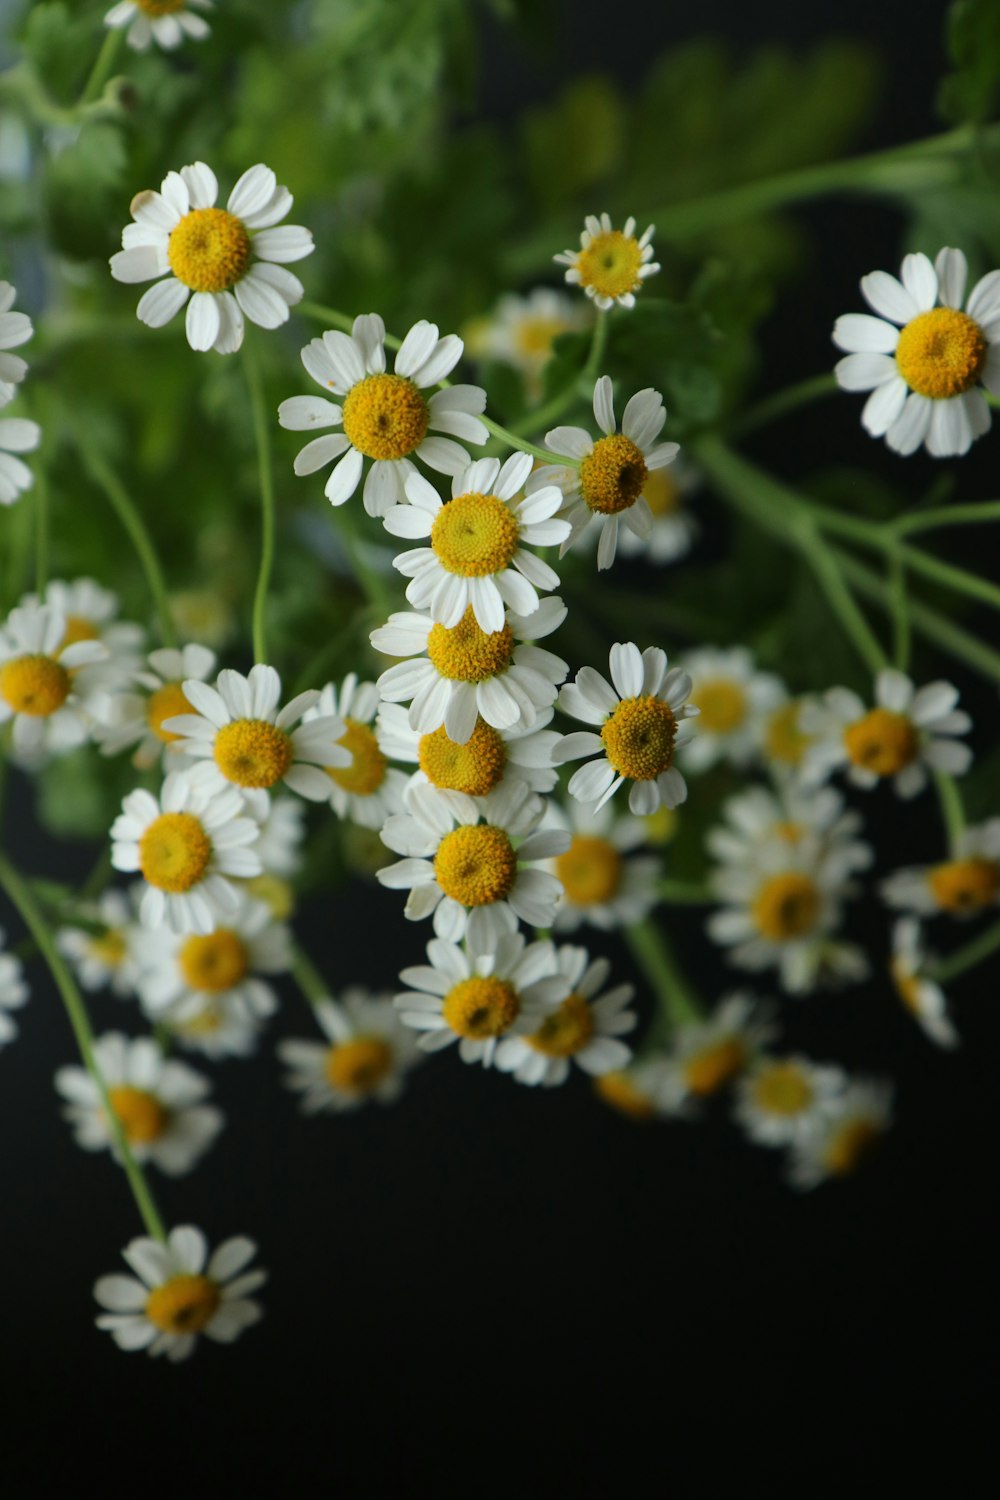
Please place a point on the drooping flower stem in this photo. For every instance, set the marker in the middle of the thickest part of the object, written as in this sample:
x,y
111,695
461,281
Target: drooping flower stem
x,y
952,810
652,952
967,957
103,64
262,440
308,978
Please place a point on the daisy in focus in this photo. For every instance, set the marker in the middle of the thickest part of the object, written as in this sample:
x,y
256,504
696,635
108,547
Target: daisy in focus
x,y
923,358
223,263
15,329
611,264
178,1292
17,435
963,886
13,991
605,884
781,1100
367,1054
584,1028
367,790
845,1136
707,1056
45,681
165,22
734,701
923,997
522,331
385,417
104,954
132,718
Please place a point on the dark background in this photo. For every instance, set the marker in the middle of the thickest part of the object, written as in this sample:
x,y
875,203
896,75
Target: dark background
x,y
519,1282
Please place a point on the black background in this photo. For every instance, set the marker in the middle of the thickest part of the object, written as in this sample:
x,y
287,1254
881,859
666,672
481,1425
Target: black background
x,y
523,1283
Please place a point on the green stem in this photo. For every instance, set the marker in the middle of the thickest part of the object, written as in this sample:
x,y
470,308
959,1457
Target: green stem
x,y
103,64
781,403
334,319
308,978
952,810
652,952
21,896
684,893
514,441
901,636
950,577
967,957
581,386
948,515
262,441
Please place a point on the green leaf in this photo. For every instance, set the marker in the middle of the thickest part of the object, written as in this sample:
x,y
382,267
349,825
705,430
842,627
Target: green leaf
x,y
972,91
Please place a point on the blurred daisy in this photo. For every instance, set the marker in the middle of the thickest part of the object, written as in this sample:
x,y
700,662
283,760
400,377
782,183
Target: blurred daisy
x,y
225,1025
282,830
15,329
674,527
845,1136
104,954
91,614
604,883
585,1027
635,1091
180,973
782,1099
488,757
45,681
132,718
733,700
611,264
366,789
705,1057
922,996
521,332
385,417
783,741
962,886
227,257
165,22
13,991
757,821
367,1054
17,435
924,360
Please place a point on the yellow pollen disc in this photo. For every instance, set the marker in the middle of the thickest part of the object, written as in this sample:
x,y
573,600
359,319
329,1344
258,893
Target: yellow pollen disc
x,y
385,416
783,739
481,1008
711,1069
467,654
611,264
474,768
366,772
252,752
639,738
618,1090
534,337
882,742
215,962
209,250
662,493
110,948
782,1089
613,474
965,885
476,865
174,852
565,1032
907,985
723,705
590,870
34,685
184,1304
160,7
78,629
358,1066
849,1145
474,535
142,1116
786,907
167,702
941,353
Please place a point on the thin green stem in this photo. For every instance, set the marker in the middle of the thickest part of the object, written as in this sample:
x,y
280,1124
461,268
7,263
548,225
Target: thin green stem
x,y
262,440
335,319
782,403
103,64
831,578
966,957
654,955
308,978
901,633
514,441
947,515
957,579
578,388
952,809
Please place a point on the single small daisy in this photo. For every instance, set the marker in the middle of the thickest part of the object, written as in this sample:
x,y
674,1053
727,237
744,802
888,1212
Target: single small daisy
x,y
188,845
923,997
705,1057
962,886
473,872
463,674
781,1099
104,954
180,973
137,718
611,264
15,329
641,722
635,1091
924,360
674,527
45,681
91,614
845,1136
477,556
159,1104
180,1293
758,821
492,988
165,22
367,790
605,884
734,701
227,257
367,1054
521,332
385,417
218,1026
13,991
585,1027
907,733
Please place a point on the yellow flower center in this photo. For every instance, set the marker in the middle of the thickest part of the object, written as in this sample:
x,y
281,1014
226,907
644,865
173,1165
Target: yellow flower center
x,y
78,629
160,7
786,907
252,752
366,772
184,1304
639,738
474,535
474,768
277,895
476,865
708,1071
907,985
782,1089
174,852
850,1145
611,264
209,250
385,416
141,1115
358,1066
215,962
167,702
534,337
613,474
109,948
784,741
566,1031
723,705
481,1008
941,353
34,685
590,870
467,654
882,742
965,885
618,1090
662,493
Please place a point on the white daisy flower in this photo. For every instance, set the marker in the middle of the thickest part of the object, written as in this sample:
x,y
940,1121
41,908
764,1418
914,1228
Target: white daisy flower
x,y
922,996
674,527
17,435
845,1136
132,718
367,1054
178,1296
282,830
641,723
15,329
182,973
244,739
962,886
13,991
91,614
782,1099
496,986
707,1056
188,845
757,820
165,22
585,1027
45,681
158,1102
367,790
613,471
218,1026
477,557
635,1091
604,882
471,871
227,257
924,360
385,417
907,732
104,954
521,331
734,701
611,264
784,742
463,673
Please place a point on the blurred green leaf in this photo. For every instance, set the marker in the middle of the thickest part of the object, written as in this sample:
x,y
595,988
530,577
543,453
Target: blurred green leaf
x,y
972,91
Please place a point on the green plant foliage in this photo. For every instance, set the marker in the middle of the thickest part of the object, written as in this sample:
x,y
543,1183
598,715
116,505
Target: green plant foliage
x,y
972,91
